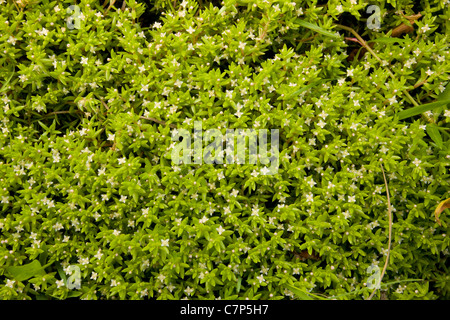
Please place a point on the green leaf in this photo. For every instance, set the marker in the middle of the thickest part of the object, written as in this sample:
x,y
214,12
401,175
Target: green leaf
x,y
421,109
309,86
435,135
27,271
73,294
61,272
445,95
238,287
316,28
4,85
302,295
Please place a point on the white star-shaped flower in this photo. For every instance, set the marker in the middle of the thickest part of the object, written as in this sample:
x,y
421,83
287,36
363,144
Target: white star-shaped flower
x,y
220,230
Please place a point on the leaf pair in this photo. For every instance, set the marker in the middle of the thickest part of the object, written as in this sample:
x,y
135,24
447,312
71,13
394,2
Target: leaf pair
x,y
27,271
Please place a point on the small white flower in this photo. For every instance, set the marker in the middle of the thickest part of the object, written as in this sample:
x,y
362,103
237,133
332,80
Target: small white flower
x,y
190,30
59,283
425,28
10,283
417,162
346,214
188,290
264,171
260,278
164,242
220,230
350,72
409,62
58,226
98,255
311,182
392,100
161,277
83,261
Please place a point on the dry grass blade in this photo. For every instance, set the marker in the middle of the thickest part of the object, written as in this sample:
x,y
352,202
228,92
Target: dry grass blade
x,y
441,207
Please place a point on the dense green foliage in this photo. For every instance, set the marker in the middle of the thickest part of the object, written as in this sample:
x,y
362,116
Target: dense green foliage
x,y
86,177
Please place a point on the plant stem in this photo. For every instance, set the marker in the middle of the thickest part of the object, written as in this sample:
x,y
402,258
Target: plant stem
x,y
390,232
368,48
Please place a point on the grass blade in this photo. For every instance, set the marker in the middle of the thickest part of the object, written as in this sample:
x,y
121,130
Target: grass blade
x,y
421,109
435,135
303,295
309,86
316,28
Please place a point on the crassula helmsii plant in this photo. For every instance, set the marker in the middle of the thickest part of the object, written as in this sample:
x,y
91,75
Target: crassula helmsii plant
x,y
87,180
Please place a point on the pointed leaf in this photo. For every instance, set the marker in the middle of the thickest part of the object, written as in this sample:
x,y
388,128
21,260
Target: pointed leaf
x,y
316,28
309,86
435,135
421,109
303,295
21,273
445,95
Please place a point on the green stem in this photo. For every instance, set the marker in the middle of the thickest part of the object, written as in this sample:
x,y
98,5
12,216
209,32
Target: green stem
x,y
368,48
390,232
